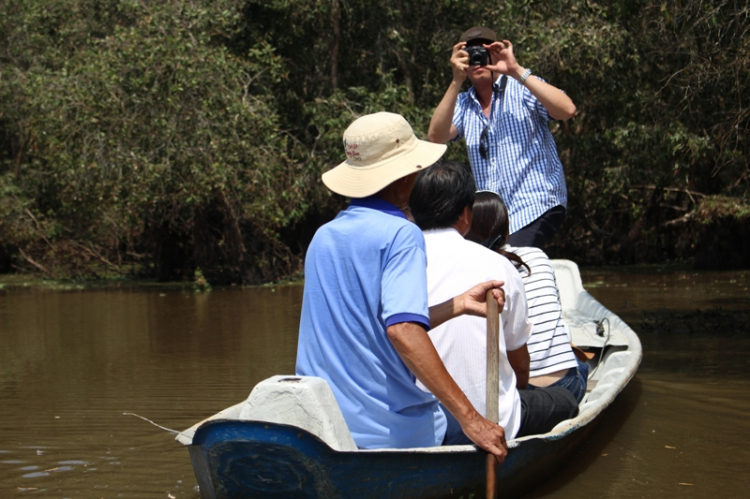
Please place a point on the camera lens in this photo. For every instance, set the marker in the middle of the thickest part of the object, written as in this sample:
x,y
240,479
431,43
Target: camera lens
x,y
477,56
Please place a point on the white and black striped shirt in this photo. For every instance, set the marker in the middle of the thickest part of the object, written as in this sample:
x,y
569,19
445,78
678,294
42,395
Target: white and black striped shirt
x,y
549,345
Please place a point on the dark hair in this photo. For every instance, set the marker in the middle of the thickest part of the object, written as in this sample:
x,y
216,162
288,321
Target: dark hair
x,y
440,194
490,225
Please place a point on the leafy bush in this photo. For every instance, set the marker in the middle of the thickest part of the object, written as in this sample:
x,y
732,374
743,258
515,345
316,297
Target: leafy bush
x,y
157,138
154,144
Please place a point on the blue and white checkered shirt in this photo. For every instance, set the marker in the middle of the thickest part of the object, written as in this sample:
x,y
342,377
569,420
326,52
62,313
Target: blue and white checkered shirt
x,y
522,164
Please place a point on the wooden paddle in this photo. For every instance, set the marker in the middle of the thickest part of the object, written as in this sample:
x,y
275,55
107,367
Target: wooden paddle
x,y
493,384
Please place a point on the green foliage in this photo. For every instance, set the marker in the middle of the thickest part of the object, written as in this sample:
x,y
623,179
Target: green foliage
x,y
154,132
158,138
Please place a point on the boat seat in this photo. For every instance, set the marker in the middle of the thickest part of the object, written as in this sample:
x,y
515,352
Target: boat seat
x,y
306,402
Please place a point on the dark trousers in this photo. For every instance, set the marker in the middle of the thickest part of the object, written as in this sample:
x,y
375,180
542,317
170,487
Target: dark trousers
x,y
541,231
541,410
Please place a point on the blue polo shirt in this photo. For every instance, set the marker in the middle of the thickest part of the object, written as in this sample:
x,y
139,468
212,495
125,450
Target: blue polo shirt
x,y
365,271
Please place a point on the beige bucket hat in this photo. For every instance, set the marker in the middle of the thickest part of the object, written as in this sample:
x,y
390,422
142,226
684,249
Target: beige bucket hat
x,y
380,149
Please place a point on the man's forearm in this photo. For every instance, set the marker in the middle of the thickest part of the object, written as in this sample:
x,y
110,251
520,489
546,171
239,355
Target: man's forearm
x,y
557,103
418,353
472,302
443,312
442,118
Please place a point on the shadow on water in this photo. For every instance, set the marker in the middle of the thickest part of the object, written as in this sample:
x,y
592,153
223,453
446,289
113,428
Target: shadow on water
x,y
681,426
709,344
595,446
680,429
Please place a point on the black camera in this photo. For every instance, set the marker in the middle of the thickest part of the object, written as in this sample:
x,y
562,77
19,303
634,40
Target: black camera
x,y
478,56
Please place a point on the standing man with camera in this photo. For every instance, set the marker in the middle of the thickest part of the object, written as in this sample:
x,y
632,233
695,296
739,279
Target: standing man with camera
x,y
503,118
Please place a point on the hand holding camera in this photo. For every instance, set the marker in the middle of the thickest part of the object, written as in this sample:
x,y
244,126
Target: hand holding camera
x,y
496,56
502,59
459,62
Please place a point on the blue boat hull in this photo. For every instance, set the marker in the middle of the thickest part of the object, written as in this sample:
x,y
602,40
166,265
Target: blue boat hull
x,y
248,459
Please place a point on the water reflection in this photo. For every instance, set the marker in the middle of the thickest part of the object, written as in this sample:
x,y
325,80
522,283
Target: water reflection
x,y
72,362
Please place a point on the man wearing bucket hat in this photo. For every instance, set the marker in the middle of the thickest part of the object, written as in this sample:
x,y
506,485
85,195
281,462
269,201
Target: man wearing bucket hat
x,y
364,310
503,119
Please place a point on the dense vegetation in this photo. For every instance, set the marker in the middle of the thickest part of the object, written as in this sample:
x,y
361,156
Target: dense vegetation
x,y
172,138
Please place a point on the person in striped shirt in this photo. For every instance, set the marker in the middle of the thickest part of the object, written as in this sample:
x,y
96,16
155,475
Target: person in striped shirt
x,y
553,362
504,120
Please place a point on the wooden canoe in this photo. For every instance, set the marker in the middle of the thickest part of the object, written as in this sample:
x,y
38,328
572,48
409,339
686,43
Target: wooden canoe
x,y
286,453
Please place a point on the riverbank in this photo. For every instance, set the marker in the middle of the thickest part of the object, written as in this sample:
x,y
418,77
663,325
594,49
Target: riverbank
x,y
712,234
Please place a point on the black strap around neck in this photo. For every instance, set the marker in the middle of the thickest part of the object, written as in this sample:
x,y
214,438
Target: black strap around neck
x,y
503,83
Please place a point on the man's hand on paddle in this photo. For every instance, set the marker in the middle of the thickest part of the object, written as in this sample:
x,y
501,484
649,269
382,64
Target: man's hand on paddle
x,y
487,435
471,302
474,300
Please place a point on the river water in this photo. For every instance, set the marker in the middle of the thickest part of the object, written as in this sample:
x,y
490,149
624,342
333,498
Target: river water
x,y
77,362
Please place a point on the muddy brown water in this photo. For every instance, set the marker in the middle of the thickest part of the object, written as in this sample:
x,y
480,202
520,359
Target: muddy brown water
x,y
74,361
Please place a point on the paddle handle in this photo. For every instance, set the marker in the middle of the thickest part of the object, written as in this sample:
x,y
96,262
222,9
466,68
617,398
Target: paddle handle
x,y
491,466
493,359
493,383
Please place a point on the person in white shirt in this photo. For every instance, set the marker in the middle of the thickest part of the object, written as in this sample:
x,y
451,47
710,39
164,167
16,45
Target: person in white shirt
x,y
553,360
441,204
